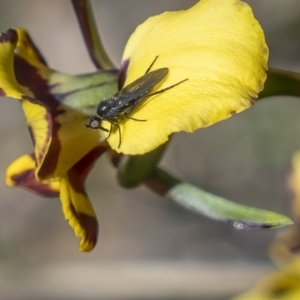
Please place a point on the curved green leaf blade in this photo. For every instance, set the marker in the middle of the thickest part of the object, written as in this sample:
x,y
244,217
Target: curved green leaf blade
x,y
215,207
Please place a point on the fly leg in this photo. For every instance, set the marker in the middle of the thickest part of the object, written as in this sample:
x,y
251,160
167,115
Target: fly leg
x,y
120,137
119,130
139,120
109,131
102,128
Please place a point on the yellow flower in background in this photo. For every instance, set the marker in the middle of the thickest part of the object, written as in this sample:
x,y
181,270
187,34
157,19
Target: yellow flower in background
x,y
279,285
294,184
286,247
285,252
64,150
217,45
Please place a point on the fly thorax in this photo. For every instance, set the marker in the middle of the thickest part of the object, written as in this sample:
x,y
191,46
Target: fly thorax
x,y
104,108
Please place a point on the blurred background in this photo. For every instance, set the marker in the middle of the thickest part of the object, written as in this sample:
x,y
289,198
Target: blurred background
x,y
148,247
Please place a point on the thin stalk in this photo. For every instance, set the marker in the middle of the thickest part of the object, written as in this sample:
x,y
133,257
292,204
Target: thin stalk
x,y
91,36
281,83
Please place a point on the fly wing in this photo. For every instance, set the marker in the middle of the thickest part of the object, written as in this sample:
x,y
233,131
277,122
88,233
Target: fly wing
x,y
140,87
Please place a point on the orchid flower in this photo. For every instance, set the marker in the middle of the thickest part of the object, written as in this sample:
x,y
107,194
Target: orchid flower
x,y
214,57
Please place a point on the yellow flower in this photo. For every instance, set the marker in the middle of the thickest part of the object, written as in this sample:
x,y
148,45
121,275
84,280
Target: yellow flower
x,y
64,150
217,45
282,284
286,246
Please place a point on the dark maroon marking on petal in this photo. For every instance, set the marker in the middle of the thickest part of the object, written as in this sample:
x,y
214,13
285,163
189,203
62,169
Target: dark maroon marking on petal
x,y
90,225
123,73
28,76
35,101
76,176
253,100
52,155
31,134
35,48
233,112
49,161
28,181
2,93
80,170
44,148
10,36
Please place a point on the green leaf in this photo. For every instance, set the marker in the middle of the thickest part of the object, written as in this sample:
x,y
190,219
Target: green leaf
x,y
215,207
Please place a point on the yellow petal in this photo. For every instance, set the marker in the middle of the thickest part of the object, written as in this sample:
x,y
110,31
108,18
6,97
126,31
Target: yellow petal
x,y
218,46
283,284
16,47
79,211
21,173
285,248
20,62
294,184
27,50
40,128
58,131
74,140
9,86
60,139
76,205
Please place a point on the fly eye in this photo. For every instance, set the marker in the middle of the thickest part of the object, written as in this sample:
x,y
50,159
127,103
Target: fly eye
x,y
94,123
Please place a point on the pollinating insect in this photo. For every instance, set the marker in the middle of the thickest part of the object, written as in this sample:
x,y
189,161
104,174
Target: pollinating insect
x,y
119,106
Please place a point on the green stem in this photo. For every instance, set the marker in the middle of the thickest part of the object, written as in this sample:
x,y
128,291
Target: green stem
x,y
281,83
91,36
134,170
161,182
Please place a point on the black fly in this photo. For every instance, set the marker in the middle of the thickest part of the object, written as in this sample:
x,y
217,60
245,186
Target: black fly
x,y
120,105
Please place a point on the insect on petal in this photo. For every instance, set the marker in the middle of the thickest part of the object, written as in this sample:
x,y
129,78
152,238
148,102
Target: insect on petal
x,y
218,46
